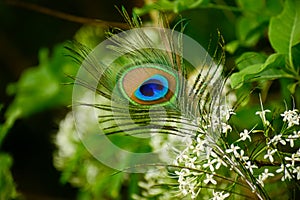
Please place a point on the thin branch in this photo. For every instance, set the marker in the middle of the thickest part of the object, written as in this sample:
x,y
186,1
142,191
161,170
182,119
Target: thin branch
x,y
66,16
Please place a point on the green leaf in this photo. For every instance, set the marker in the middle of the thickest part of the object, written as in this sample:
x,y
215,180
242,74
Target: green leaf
x,y
284,31
292,87
237,79
40,88
7,185
250,29
176,6
232,46
182,5
274,61
250,58
271,74
90,36
296,55
250,5
269,7
251,25
273,7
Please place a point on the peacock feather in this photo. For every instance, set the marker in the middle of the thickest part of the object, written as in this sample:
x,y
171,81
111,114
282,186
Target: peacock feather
x,y
146,68
147,82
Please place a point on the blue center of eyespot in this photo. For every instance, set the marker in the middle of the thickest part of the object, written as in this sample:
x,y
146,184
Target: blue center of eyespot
x,y
154,88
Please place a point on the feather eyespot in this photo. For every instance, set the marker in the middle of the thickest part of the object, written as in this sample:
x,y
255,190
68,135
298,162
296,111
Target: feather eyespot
x,y
148,85
153,89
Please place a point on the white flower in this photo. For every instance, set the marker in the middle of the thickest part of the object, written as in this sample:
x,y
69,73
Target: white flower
x,y
262,115
244,135
226,127
181,158
260,180
284,168
219,162
262,177
266,174
188,186
91,173
190,163
233,149
276,139
241,155
209,152
200,147
297,171
293,158
291,139
209,178
291,117
66,138
270,155
210,164
187,183
297,134
216,159
298,152
182,174
250,166
281,169
226,112
194,193
219,195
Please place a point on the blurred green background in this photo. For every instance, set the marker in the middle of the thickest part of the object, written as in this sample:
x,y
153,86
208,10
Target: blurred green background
x,y
32,53
30,142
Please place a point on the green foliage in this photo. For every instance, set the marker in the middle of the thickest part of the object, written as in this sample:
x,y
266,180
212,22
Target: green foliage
x,y
269,69
40,88
7,185
171,6
284,29
280,19
251,25
283,32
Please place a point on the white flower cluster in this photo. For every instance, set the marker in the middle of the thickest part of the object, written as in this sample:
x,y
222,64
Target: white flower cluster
x,y
151,186
206,169
198,162
200,157
291,117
